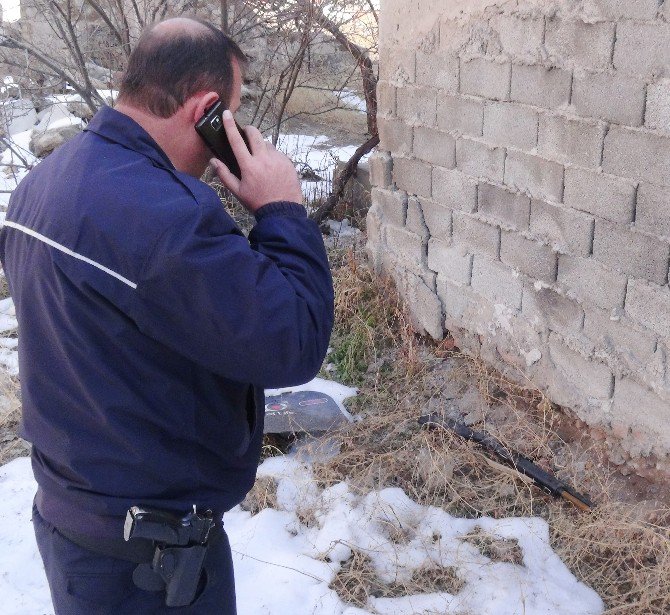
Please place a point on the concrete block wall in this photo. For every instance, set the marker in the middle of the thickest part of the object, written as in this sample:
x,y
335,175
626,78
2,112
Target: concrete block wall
x,y
522,197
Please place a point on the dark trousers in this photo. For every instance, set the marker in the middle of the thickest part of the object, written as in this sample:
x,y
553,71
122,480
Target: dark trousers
x,y
85,583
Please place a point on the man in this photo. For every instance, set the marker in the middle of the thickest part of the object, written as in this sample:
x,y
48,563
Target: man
x,y
149,326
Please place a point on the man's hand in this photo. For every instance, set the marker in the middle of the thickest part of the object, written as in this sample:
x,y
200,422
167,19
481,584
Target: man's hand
x,y
267,175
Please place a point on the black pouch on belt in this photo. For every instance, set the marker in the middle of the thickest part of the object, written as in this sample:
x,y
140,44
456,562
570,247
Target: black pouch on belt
x,y
181,546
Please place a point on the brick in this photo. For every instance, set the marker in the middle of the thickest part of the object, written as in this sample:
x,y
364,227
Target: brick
x,y
510,124
438,70
653,209
460,114
592,379
399,66
478,159
392,206
496,282
613,97
643,49
412,176
591,282
453,264
414,221
482,77
649,305
476,235
638,154
634,253
605,196
547,309
620,337
571,141
566,230
538,177
630,398
541,86
510,208
417,105
575,43
657,115
437,218
435,147
454,190
530,257
627,9
381,167
407,246
395,136
519,36
386,99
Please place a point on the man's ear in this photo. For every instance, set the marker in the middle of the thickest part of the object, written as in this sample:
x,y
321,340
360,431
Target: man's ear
x,y
200,103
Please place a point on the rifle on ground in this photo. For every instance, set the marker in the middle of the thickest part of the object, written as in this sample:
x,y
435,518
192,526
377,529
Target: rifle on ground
x,y
543,479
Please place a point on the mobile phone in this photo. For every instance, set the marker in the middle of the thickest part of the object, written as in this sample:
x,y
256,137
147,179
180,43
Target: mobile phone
x,y
210,128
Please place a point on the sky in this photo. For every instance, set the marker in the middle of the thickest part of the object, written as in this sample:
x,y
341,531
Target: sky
x,y
11,9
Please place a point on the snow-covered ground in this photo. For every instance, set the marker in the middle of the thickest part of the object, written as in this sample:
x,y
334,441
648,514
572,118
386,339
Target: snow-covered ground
x,y
298,562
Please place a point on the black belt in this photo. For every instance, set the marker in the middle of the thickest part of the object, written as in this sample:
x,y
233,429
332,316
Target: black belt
x,y
137,550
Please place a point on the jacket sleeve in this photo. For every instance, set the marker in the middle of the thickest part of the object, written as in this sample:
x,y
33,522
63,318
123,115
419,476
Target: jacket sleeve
x,y
257,310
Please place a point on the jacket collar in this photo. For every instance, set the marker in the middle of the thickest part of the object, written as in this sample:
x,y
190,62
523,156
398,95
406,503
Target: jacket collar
x,y
118,127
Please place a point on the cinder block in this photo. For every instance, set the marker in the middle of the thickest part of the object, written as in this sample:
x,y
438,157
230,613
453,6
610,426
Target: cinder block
x,y
485,78
541,86
657,116
510,124
496,282
399,66
566,230
653,209
620,338
638,405
541,178
417,105
475,235
424,306
453,264
414,221
436,147
480,160
391,206
605,196
412,176
510,208
643,49
437,218
407,246
381,165
634,253
386,99
627,9
394,136
458,301
460,114
519,36
614,97
592,379
575,43
454,190
638,154
590,282
546,309
649,305
530,257
438,70
571,141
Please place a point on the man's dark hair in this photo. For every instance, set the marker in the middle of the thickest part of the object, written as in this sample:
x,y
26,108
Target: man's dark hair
x,y
166,68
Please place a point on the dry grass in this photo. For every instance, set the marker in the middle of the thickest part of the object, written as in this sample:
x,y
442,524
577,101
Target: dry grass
x,y
263,495
11,446
622,549
323,106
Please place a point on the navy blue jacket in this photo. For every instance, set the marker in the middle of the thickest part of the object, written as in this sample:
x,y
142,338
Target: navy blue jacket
x,y
149,326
